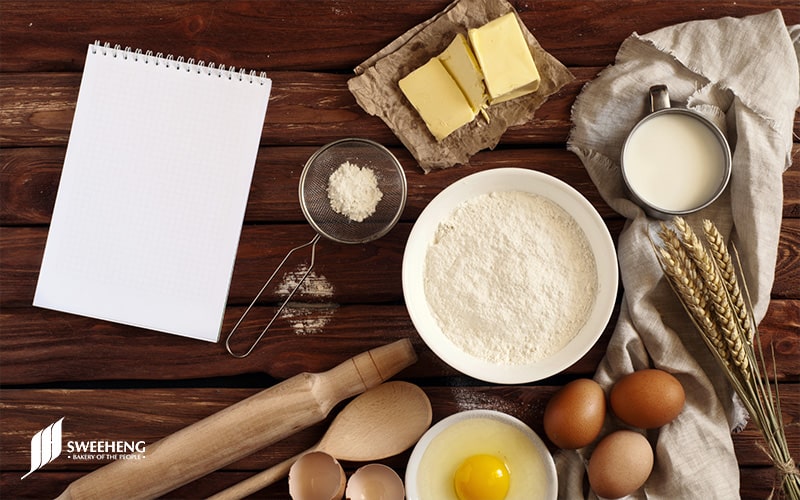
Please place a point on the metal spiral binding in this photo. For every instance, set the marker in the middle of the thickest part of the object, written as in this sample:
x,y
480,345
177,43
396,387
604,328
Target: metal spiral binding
x,y
181,64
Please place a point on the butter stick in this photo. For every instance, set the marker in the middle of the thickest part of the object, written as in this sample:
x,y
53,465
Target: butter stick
x,y
460,62
505,59
437,98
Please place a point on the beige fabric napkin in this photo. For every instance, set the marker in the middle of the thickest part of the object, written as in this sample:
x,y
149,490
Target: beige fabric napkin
x,y
376,91
742,73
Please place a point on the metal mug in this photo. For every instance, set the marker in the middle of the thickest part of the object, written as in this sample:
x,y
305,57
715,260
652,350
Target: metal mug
x,y
674,161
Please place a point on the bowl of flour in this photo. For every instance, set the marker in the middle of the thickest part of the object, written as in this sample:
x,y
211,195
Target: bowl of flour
x,y
510,275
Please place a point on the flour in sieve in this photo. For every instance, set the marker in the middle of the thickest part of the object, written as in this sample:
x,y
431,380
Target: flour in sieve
x,y
353,191
510,277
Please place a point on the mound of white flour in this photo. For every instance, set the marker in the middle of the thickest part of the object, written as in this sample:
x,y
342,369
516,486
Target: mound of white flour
x,y
510,277
353,191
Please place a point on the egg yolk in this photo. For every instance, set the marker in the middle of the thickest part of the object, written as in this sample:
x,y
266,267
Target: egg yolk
x,y
482,477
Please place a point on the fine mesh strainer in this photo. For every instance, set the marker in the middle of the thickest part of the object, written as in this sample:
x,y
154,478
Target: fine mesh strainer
x,y
317,209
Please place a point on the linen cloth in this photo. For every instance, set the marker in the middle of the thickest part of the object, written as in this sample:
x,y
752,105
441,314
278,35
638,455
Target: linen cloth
x,y
742,74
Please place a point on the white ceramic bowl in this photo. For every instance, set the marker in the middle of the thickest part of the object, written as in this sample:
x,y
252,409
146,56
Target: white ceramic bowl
x,y
509,179
414,461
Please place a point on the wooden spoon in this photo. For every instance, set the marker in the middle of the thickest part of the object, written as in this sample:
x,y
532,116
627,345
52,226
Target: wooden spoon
x,y
242,428
379,423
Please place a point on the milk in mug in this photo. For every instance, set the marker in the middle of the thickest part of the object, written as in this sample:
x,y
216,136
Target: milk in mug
x,y
674,162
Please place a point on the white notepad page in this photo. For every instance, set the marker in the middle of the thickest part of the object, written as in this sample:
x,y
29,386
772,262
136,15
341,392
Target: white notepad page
x,y
153,192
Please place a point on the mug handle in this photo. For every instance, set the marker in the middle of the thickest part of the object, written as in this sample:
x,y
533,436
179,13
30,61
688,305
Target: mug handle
x,y
659,98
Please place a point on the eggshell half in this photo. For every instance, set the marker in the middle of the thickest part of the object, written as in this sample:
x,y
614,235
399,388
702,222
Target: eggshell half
x,y
575,414
647,398
316,476
375,482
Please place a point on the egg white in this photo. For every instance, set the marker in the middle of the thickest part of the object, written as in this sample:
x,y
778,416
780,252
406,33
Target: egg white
x,y
484,435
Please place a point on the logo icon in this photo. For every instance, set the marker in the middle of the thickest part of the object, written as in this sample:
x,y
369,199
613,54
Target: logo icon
x,y
45,446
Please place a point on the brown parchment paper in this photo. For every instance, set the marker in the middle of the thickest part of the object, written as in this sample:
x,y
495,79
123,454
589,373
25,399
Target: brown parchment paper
x,y
377,92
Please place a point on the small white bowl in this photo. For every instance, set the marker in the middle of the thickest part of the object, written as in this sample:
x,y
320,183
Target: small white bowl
x,y
498,180
414,461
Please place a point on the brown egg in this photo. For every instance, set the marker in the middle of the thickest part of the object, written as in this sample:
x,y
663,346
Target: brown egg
x,y
647,398
620,464
574,415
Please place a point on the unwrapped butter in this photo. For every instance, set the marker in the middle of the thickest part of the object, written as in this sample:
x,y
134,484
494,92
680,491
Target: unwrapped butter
x,y
460,62
437,98
493,66
505,58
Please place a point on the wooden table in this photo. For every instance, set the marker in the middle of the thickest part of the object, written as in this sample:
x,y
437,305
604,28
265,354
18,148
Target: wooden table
x,y
121,383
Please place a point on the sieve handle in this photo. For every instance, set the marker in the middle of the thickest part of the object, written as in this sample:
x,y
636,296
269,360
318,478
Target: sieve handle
x,y
313,244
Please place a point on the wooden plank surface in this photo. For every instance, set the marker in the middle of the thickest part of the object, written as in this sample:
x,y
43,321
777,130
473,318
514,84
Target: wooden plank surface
x,y
756,483
38,111
280,35
338,265
48,348
116,382
29,180
149,414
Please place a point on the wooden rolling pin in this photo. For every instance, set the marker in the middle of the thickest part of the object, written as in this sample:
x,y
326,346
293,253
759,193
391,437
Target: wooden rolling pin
x,y
241,429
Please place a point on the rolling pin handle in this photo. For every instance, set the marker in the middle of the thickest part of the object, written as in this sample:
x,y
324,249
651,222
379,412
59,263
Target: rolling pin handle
x,y
242,428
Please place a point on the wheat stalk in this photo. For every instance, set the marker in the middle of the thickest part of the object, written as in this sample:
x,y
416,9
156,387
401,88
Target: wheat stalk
x,y
727,272
706,283
683,277
717,295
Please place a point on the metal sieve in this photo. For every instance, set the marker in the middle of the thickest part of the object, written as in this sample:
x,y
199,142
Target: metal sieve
x,y
317,209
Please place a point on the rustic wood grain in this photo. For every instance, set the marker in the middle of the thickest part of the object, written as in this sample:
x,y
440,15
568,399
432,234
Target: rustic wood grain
x,y
111,381
150,414
40,346
757,483
29,181
47,347
305,108
262,247
267,35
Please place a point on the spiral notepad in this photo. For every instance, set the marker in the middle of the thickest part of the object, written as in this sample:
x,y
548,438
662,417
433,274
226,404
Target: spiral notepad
x,y
153,191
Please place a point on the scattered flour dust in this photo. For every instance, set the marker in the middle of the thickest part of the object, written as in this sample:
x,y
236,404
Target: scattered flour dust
x,y
306,318
473,398
315,286
353,191
510,277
